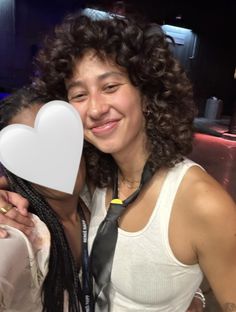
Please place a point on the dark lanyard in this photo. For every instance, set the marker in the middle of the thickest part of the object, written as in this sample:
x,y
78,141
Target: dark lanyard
x,y
87,283
104,244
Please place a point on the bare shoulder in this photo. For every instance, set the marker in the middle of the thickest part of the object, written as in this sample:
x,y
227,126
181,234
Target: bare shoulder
x,y
204,196
212,220
208,209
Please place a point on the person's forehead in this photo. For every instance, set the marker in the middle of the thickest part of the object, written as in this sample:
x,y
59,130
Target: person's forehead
x,y
94,66
93,56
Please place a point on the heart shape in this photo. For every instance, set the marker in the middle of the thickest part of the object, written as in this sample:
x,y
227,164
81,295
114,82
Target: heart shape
x,y
48,154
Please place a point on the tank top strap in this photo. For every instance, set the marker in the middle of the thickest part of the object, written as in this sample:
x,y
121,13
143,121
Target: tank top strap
x,y
170,188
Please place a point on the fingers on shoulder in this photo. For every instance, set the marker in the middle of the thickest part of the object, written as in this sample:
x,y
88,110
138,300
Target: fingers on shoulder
x,y
17,199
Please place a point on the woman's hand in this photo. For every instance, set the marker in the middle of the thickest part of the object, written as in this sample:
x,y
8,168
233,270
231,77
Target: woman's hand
x,y
196,305
17,216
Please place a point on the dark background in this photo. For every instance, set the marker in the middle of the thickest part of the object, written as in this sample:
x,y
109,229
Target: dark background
x,y
23,24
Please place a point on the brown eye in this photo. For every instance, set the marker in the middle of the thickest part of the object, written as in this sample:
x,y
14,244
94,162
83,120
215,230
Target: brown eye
x,y
78,97
111,88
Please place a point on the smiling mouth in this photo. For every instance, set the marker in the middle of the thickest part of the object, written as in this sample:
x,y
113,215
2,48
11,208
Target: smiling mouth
x,y
105,128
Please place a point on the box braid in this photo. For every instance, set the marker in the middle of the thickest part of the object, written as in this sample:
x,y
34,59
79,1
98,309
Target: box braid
x,y
13,104
63,273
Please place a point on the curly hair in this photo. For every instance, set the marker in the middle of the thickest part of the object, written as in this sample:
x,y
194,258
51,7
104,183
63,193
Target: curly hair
x,y
142,49
63,273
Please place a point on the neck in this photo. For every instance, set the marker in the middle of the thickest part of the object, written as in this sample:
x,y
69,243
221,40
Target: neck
x,y
132,159
130,182
131,171
129,177
65,208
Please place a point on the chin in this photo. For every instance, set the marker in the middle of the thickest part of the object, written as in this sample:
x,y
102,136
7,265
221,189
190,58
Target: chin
x,y
108,148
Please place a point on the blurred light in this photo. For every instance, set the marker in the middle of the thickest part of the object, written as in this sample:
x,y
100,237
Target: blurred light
x,y
178,17
178,34
3,95
98,14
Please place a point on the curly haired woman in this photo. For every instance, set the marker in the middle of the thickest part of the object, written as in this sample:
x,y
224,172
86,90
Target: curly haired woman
x,y
137,109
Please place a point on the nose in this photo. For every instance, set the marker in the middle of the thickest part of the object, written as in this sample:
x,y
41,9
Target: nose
x,y
97,106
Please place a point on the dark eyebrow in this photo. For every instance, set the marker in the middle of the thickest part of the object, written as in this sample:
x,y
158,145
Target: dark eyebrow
x,y
79,83
111,73
73,84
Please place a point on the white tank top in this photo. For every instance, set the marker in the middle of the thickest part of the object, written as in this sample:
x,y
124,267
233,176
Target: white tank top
x,y
146,276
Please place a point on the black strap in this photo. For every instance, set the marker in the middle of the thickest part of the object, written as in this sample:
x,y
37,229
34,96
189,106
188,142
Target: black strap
x,y
103,249
87,284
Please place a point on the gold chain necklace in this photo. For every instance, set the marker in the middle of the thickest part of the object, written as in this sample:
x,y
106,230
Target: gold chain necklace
x,y
130,184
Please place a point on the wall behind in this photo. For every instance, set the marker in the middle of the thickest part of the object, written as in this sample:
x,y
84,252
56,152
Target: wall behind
x,y
23,25
7,41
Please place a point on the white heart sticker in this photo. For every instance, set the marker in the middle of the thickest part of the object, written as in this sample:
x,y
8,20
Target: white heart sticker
x,y
48,154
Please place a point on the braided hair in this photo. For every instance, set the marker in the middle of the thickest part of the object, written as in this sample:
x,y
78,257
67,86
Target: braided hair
x,y
63,273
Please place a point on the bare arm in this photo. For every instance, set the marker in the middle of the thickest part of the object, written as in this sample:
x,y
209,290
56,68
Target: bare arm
x,y
215,238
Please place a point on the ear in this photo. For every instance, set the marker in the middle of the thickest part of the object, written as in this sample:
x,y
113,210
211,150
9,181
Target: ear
x,y
145,107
